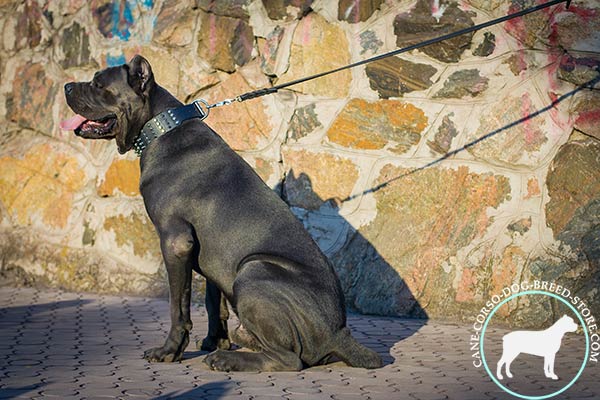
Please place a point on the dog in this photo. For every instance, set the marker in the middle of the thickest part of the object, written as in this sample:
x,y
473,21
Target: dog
x,y
544,343
214,215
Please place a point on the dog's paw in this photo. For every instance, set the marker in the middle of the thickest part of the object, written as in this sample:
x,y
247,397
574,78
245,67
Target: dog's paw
x,y
212,343
243,338
159,354
222,360
224,344
206,344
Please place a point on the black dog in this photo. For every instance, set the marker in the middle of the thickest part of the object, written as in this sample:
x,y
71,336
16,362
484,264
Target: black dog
x,y
215,215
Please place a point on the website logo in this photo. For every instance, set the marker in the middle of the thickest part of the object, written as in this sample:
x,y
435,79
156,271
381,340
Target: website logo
x,y
544,343
532,363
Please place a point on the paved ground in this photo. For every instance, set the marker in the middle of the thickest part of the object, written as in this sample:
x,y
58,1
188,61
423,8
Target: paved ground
x,y
82,346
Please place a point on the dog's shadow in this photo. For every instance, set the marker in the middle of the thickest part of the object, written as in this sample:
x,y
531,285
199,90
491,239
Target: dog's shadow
x,y
373,289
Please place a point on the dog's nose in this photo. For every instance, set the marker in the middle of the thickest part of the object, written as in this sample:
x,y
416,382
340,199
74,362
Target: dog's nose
x,y
69,88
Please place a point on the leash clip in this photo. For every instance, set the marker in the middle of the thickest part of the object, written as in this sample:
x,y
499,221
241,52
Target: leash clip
x,y
225,102
203,108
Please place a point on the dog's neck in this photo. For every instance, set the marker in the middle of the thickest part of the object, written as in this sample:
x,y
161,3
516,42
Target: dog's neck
x,y
168,113
558,326
161,100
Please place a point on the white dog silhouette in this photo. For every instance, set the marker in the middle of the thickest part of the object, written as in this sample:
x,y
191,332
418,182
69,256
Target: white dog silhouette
x,y
544,343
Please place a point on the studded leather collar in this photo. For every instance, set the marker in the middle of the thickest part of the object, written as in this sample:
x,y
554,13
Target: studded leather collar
x,y
165,122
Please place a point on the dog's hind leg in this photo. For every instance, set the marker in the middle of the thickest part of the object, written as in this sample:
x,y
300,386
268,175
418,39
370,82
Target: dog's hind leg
x,y
270,356
507,358
241,337
511,357
499,366
216,307
223,360
180,252
354,353
266,325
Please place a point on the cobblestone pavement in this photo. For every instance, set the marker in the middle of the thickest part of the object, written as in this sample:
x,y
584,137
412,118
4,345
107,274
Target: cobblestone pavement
x,y
83,346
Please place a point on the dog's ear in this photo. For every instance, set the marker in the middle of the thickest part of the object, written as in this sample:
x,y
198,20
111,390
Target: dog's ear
x,y
140,74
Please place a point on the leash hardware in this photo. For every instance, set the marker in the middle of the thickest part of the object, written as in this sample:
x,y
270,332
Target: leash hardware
x,y
225,102
203,107
428,42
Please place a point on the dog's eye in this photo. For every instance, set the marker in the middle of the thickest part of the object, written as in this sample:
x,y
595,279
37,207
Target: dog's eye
x,y
97,84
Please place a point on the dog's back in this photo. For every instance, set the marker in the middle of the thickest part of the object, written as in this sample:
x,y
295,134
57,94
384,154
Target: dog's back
x,y
540,342
544,343
202,180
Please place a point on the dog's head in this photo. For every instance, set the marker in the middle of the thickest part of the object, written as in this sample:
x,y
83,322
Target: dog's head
x,y
113,105
568,324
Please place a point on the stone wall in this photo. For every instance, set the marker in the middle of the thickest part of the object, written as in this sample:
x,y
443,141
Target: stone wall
x,y
431,180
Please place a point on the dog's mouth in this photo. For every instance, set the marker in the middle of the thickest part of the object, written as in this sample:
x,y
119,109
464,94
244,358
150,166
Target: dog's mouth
x,y
82,126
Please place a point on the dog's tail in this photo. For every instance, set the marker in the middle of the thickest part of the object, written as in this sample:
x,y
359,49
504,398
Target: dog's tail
x,y
353,353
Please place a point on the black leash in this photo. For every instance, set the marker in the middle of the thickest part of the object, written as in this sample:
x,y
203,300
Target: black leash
x,y
587,85
205,107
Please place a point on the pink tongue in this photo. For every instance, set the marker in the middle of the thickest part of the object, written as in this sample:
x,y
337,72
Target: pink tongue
x,y
72,123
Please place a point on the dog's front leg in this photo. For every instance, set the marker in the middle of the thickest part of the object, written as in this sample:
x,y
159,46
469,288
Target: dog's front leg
x,y
549,366
218,313
179,253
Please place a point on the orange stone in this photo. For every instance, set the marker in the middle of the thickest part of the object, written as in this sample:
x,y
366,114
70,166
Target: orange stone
x,y
573,182
122,176
242,125
506,142
533,188
224,42
32,98
137,231
164,66
467,286
368,125
264,168
424,218
319,46
173,26
42,183
317,177
506,272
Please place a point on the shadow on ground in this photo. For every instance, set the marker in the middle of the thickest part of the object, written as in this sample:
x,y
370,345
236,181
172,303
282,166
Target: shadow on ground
x,y
25,336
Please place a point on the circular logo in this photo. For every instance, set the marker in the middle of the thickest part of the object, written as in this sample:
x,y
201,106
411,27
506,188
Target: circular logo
x,y
512,392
